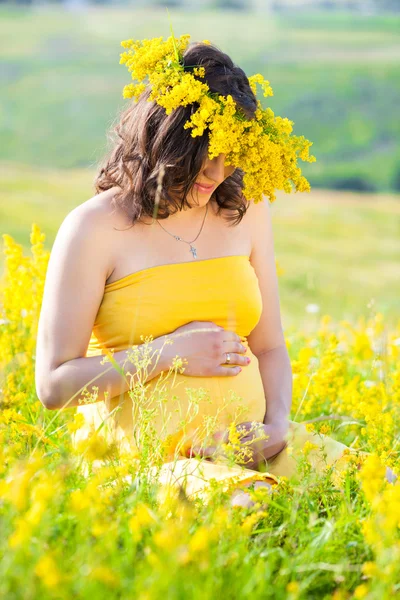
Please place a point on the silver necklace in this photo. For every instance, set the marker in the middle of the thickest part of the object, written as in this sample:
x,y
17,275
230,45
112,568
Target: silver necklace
x,y
179,239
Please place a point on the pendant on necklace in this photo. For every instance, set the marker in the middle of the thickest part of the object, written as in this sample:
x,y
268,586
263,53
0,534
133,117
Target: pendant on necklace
x,y
193,251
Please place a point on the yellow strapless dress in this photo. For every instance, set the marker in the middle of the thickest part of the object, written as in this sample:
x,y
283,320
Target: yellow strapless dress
x,y
156,301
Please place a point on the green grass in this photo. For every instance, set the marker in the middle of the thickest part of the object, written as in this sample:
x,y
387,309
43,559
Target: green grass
x,y
336,76
339,251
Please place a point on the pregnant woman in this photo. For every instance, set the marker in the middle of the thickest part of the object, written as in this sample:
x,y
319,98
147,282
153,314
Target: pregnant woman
x,y
177,244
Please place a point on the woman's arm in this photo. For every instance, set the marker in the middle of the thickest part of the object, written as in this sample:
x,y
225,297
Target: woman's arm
x,y
77,271
267,340
68,381
267,343
276,373
270,439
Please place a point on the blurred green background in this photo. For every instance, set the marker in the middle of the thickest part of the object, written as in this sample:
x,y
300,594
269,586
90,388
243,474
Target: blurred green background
x,y
335,73
337,78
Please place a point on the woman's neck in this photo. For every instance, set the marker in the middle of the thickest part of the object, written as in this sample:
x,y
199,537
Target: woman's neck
x,y
187,216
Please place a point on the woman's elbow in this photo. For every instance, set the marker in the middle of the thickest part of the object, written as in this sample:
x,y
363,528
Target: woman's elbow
x,y
46,394
48,401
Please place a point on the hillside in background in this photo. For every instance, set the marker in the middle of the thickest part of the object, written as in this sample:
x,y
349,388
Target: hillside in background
x,y
337,77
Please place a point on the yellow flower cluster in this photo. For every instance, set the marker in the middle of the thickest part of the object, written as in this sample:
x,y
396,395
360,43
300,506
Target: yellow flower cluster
x,y
349,375
263,147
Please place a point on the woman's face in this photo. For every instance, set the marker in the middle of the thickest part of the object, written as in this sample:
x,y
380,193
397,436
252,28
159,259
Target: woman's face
x,y
211,175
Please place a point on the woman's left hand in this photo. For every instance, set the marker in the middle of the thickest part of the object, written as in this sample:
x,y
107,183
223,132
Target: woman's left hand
x,y
256,445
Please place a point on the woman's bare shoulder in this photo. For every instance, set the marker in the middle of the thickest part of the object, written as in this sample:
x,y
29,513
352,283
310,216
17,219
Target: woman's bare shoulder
x,y
256,219
101,207
98,217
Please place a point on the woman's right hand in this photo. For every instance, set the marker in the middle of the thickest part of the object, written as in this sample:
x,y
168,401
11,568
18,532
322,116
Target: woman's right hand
x,y
204,346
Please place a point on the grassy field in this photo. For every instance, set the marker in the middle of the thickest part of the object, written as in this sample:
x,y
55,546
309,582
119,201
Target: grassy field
x,y
337,250
336,76
89,520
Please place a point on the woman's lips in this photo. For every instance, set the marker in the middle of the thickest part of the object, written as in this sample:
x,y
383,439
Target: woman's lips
x,y
205,189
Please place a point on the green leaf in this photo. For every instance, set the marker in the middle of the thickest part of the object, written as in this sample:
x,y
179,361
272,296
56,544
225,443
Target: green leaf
x,y
173,37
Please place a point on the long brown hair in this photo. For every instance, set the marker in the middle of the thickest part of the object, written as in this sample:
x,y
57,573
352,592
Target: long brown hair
x,y
149,142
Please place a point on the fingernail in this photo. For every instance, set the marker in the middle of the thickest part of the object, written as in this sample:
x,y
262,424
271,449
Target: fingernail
x,y
248,360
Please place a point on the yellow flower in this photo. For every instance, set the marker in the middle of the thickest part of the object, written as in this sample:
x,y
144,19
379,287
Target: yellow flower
x,y
258,78
142,518
162,539
264,147
21,534
308,447
292,587
372,476
325,429
94,447
361,591
46,569
16,488
79,501
370,569
199,541
105,575
100,528
251,520
199,71
77,423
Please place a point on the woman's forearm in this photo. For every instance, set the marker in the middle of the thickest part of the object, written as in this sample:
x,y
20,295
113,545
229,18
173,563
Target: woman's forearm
x,y
277,378
68,382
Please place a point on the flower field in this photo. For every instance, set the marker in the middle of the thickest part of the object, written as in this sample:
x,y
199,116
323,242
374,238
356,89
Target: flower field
x,y
92,523
89,520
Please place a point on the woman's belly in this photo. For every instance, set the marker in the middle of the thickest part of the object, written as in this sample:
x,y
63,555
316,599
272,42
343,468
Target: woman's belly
x,y
174,403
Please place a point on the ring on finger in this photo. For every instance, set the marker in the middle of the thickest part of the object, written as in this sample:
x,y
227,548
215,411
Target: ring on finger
x,y
228,357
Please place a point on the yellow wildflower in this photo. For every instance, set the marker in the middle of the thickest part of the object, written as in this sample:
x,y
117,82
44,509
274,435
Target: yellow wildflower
x,y
79,501
325,429
77,423
21,534
372,476
94,447
361,591
370,569
292,587
46,569
105,575
308,447
199,71
199,541
142,517
263,147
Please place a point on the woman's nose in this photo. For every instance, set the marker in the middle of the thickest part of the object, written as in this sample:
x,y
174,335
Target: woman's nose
x,y
215,169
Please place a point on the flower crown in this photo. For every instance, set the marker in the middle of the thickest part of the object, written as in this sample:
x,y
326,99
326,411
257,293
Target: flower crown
x,y
263,147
